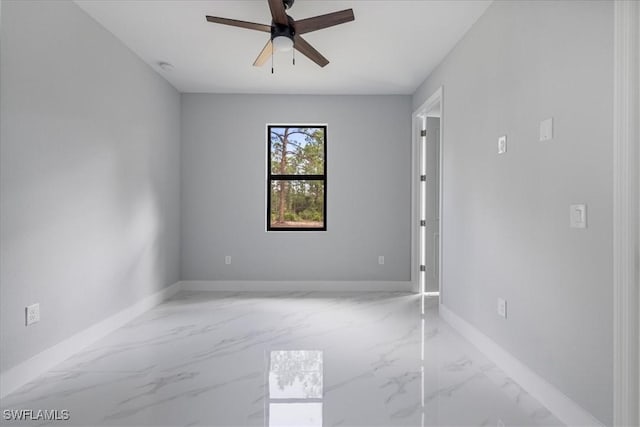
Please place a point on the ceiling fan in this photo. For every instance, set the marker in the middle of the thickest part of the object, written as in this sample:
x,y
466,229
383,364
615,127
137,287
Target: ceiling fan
x,y
286,32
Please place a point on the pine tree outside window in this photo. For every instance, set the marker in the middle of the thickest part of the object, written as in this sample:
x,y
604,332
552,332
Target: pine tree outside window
x,y
296,178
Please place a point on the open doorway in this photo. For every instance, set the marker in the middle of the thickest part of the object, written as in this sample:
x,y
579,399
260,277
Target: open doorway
x,y
427,122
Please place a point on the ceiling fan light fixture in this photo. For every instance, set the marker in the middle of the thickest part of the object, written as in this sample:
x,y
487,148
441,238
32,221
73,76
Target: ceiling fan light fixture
x,y
282,44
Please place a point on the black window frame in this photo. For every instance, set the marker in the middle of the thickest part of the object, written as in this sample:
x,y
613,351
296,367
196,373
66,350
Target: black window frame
x,y
276,177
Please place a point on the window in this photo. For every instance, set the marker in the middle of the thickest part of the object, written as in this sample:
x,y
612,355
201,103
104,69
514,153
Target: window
x,y
296,178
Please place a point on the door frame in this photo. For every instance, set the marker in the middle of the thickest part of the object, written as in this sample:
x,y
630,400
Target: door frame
x,y
626,213
416,119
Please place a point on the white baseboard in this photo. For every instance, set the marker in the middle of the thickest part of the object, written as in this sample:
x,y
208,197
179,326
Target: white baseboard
x,y
16,377
565,409
292,286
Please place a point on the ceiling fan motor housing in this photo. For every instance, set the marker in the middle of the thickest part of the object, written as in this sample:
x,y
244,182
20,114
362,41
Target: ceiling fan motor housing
x,y
288,3
279,30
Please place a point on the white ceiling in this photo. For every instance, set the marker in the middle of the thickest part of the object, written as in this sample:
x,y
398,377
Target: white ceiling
x,y
390,48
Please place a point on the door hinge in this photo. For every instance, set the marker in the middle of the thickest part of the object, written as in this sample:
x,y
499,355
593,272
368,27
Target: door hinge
x,y
423,178
423,132
423,268
423,223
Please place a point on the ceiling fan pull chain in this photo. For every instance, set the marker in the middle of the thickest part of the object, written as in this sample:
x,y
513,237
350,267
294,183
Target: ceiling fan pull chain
x,y
294,56
271,61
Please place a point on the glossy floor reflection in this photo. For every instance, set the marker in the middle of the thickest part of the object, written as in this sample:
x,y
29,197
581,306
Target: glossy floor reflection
x,y
295,388
286,359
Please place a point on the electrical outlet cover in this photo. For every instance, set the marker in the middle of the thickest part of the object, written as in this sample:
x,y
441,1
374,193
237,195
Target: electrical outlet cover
x,y
32,314
502,308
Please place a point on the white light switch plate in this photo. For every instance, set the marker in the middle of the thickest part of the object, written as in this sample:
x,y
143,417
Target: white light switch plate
x,y
227,260
502,144
578,216
546,129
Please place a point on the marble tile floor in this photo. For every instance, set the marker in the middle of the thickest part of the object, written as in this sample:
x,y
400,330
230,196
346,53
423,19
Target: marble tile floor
x,y
282,359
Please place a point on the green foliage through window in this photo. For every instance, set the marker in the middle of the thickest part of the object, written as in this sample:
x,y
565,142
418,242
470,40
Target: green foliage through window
x,y
296,188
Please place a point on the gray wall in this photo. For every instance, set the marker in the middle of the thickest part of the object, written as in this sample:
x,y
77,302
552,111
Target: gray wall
x,y
224,192
89,176
506,218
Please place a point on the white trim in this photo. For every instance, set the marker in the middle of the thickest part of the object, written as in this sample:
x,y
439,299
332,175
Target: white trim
x,y
415,199
16,377
432,101
565,409
293,286
626,372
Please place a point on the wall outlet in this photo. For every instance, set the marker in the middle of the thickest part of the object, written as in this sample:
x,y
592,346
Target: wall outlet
x,y
227,259
32,314
381,259
502,308
502,144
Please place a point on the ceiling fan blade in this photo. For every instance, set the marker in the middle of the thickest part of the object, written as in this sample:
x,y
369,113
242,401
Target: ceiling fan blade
x,y
324,21
278,13
241,24
309,51
266,52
